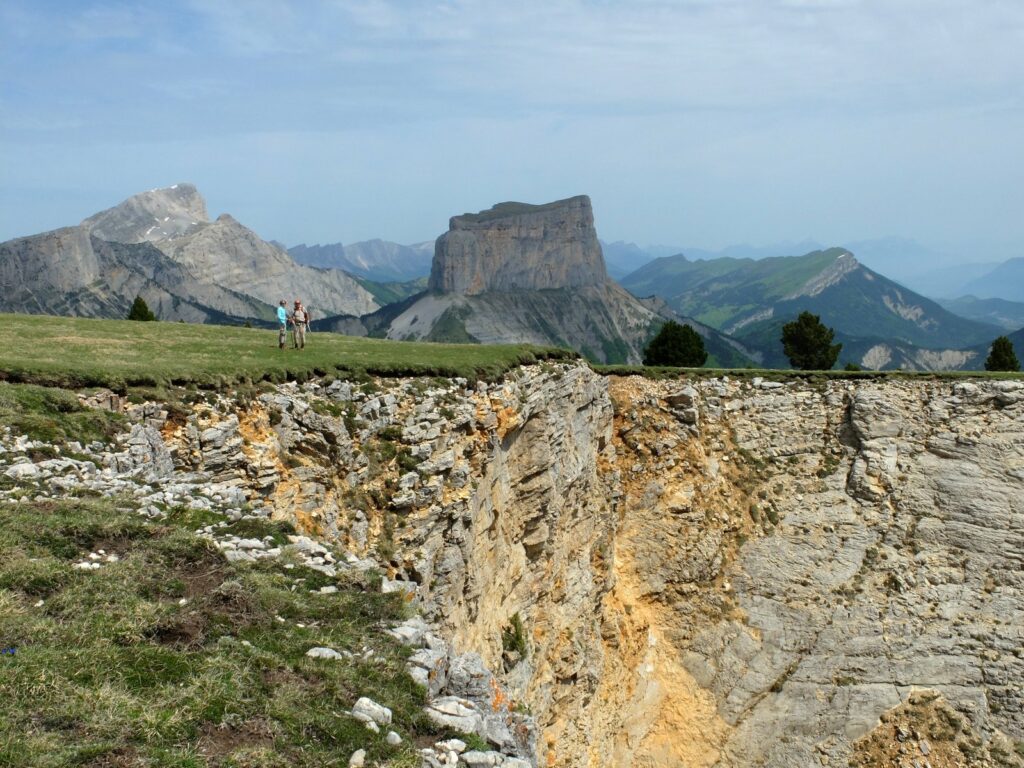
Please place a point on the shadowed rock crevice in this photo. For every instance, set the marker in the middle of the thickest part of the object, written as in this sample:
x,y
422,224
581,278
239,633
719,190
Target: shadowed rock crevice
x,y
720,572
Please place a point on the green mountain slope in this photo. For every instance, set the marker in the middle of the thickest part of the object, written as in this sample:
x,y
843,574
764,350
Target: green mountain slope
x,y
751,299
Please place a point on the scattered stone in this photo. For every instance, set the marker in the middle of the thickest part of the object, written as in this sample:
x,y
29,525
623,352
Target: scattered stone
x,y
322,653
452,745
367,709
22,471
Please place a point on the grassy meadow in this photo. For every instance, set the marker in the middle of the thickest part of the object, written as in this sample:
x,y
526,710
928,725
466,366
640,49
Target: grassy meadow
x,y
172,656
82,352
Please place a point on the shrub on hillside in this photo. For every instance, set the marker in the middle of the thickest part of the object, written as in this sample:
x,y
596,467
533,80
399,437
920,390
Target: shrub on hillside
x,y
676,345
808,343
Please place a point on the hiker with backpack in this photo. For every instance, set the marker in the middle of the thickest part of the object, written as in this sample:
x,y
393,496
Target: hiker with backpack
x,y
300,321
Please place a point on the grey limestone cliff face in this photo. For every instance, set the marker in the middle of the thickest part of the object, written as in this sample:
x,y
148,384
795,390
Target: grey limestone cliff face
x,y
162,245
225,252
715,572
806,559
153,216
515,246
726,573
71,272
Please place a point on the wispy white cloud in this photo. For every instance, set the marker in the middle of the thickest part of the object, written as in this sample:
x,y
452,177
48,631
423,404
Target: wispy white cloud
x,y
748,101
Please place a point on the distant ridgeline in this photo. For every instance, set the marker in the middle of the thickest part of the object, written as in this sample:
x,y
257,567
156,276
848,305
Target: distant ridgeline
x,y
880,323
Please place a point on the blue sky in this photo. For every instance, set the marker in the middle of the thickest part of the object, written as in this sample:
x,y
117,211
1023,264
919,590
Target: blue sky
x,y
697,122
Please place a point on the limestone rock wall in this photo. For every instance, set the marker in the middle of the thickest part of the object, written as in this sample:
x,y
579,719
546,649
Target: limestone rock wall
x,y
162,245
813,553
706,573
483,503
514,246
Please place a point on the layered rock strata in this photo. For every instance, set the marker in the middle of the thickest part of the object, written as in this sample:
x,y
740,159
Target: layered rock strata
x,y
721,572
516,246
161,245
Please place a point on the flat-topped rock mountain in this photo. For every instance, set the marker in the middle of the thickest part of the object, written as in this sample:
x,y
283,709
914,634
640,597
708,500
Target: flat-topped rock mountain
x,y
531,273
162,245
516,246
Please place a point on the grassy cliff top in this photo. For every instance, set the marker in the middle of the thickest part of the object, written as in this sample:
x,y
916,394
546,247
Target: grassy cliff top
x,y
505,210
72,351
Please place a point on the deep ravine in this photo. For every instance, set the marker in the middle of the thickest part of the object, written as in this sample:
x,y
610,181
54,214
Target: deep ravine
x,y
707,572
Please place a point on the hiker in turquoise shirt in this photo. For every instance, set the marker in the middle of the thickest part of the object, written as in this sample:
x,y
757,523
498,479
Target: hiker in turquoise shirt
x,y
282,324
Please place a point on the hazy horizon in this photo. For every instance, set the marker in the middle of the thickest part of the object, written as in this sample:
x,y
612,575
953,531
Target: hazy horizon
x,y
698,123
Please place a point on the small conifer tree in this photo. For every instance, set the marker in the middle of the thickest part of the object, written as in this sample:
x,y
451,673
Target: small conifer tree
x,y
808,343
1002,357
677,345
140,310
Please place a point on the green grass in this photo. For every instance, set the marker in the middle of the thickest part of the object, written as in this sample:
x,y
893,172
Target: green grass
x,y
112,670
451,327
53,415
79,352
503,210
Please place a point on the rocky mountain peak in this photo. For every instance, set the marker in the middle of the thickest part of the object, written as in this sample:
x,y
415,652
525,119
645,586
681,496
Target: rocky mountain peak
x,y
518,246
153,216
843,264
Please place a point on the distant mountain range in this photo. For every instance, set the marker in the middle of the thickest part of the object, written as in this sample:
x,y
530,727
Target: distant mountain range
x,y
922,269
1006,281
1017,339
1008,315
512,273
377,260
751,299
624,258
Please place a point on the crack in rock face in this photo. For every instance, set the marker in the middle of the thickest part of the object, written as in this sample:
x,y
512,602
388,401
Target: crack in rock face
x,y
885,558
623,571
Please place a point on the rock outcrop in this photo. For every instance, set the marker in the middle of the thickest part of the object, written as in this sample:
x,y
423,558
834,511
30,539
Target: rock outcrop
x,y
162,245
532,273
71,272
714,572
517,247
